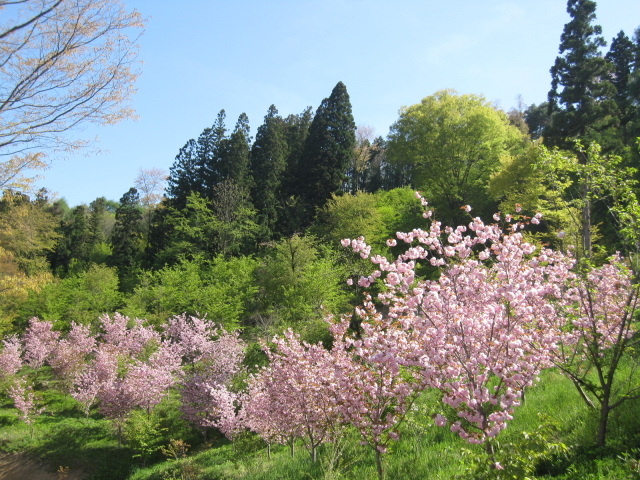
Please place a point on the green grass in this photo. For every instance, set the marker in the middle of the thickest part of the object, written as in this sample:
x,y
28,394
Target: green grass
x,y
64,437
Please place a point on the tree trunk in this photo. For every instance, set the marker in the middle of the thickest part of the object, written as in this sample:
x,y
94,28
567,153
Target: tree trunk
x,y
603,422
586,221
379,465
292,445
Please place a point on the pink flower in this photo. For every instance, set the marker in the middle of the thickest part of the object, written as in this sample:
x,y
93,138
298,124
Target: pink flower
x,y
440,420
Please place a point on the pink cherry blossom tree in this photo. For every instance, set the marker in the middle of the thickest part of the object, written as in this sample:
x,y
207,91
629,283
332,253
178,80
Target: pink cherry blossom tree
x,y
376,376
24,399
10,357
481,330
39,340
69,356
132,368
297,392
212,357
600,307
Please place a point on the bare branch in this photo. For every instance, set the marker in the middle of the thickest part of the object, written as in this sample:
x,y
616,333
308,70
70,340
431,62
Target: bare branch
x,y
63,63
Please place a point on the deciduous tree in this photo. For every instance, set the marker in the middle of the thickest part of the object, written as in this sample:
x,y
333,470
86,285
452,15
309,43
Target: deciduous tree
x,y
450,144
64,63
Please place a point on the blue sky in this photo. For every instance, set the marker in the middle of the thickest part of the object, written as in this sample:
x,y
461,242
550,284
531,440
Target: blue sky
x,y
200,56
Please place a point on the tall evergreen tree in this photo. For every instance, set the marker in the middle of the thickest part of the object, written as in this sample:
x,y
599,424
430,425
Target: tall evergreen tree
x,y
198,167
71,254
581,99
234,165
268,163
291,205
634,90
211,146
127,238
622,56
184,175
327,151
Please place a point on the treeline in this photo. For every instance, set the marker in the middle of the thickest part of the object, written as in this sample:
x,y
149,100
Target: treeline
x,y
248,229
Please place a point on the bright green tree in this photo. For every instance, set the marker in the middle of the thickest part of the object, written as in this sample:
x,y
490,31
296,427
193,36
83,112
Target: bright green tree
x,y
449,145
221,288
299,282
79,298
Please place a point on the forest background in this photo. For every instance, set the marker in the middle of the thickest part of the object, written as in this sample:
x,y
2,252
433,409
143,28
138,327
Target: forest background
x,y
246,230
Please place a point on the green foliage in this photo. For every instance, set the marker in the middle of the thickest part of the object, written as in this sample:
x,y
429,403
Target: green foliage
x,y
298,283
220,288
449,145
328,150
27,232
80,298
143,433
519,459
351,216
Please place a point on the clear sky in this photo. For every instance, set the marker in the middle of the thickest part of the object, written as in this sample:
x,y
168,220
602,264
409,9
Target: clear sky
x,y
200,56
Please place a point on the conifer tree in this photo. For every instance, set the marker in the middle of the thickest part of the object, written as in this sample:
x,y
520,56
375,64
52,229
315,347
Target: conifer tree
x,y
328,150
234,165
581,99
268,163
292,211
210,151
127,237
621,55
184,175
198,167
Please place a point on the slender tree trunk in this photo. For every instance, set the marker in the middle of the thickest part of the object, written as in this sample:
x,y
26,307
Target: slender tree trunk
x,y
379,465
292,445
605,408
586,221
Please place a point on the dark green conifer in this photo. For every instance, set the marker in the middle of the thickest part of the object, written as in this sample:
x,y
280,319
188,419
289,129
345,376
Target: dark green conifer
x,y
581,99
328,150
268,163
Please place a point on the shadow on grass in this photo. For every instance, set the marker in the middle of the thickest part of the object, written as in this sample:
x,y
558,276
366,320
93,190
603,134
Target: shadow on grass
x,y
87,446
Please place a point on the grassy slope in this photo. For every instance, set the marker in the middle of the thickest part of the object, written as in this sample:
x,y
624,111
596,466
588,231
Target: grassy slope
x,y
63,437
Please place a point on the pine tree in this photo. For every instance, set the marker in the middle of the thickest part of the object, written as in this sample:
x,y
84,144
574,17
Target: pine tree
x,y
634,92
581,99
71,254
327,151
268,163
198,167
